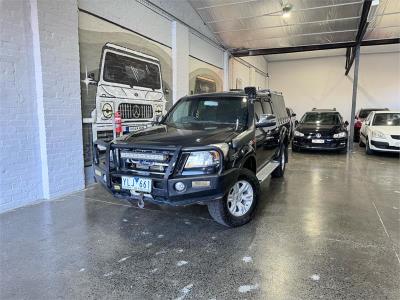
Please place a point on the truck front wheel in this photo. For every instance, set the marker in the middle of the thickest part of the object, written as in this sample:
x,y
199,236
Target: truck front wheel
x,y
237,207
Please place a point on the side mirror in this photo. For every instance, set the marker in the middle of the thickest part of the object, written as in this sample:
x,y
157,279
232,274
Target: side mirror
x,y
266,120
90,79
166,91
293,114
367,123
296,123
346,123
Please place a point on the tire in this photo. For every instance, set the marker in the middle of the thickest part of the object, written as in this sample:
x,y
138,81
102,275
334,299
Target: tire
x,y
280,170
221,210
368,150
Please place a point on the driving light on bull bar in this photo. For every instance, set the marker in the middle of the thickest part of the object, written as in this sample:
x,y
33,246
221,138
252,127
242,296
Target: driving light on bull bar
x,y
180,186
203,159
200,184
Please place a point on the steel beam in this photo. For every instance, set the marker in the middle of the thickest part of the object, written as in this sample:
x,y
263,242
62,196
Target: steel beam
x,y
362,28
348,54
305,48
350,142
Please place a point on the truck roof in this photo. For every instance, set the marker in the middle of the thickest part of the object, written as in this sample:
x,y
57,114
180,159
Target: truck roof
x,y
137,53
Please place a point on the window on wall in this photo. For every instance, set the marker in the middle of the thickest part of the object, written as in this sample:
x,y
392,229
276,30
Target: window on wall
x,y
205,85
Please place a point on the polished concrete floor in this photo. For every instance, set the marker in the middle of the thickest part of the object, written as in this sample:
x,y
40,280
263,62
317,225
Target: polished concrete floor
x,y
329,229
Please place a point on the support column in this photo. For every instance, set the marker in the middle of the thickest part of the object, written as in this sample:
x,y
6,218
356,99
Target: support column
x,y
226,71
180,61
354,99
58,100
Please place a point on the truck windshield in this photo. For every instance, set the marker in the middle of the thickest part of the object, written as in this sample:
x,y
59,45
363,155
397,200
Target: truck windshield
x,y
130,71
209,113
324,118
387,119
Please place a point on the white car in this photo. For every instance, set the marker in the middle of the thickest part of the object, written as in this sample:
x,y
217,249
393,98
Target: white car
x,y
380,131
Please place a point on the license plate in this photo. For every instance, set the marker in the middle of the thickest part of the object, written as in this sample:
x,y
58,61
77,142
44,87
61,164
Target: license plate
x,y
138,184
317,141
128,129
136,128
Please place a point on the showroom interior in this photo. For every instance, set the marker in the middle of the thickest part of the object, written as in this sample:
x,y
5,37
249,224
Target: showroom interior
x,y
82,81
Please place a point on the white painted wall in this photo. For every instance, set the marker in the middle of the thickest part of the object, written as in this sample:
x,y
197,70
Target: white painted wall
x,y
59,105
320,82
251,71
133,15
182,10
205,51
41,134
180,61
20,171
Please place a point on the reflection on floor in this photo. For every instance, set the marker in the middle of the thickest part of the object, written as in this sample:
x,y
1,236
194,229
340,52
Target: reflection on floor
x,y
329,229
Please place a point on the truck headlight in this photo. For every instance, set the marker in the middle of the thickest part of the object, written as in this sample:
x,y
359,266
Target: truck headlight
x,y
298,133
378,134
107,110
158,109
203,160
340,135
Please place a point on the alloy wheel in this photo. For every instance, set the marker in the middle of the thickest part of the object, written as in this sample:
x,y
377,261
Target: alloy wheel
x,y
240,198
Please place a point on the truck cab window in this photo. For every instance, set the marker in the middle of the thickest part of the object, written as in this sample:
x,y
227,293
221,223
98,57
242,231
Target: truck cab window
x,y
130,71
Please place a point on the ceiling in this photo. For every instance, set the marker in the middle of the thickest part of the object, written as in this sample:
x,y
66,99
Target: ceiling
x,y
259,24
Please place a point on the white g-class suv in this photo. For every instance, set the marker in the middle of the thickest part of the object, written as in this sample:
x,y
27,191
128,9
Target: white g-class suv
x,y
380,131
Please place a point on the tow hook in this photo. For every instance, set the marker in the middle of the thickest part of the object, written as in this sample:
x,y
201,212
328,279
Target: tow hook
x,y
140,201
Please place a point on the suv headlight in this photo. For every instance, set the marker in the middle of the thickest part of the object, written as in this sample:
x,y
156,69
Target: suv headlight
x,y
298,133
378,134
340,135
202,162
158,109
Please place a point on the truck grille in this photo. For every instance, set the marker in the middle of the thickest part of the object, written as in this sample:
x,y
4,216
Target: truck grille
x,y
135,111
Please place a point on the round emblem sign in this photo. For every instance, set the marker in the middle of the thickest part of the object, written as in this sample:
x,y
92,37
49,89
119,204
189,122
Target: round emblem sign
x,y
107,110
318,135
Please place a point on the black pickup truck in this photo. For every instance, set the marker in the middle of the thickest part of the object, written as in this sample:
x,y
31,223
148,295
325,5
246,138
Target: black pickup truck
x,y
211,149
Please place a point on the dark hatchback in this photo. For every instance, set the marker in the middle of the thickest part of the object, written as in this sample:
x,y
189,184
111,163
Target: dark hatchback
x,y
321,130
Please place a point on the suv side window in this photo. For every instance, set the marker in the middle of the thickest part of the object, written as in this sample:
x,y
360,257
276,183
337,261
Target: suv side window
x,y
278,106
267,107
258,111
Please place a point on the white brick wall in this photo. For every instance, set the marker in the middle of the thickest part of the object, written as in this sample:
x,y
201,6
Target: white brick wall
x,y
41,132
59,48
20,171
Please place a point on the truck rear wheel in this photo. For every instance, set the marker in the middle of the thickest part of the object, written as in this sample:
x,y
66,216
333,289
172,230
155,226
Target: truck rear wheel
x,y
280,170
237,207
